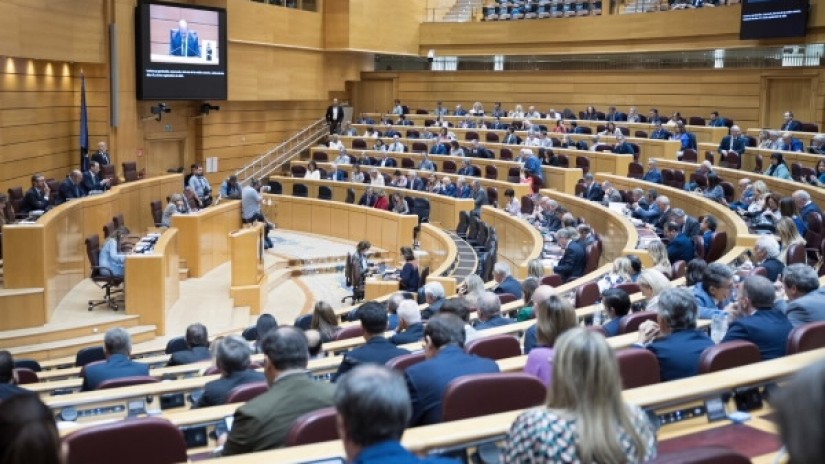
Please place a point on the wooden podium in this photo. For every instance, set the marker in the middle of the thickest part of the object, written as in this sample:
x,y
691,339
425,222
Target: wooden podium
x,y
249,282
152,281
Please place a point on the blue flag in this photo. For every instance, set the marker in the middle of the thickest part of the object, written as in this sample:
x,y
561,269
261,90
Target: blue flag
x,y
84,127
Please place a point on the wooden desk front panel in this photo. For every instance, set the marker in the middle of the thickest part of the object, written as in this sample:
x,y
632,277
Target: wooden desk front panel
x,y
518,241
440,248
152,281
204,236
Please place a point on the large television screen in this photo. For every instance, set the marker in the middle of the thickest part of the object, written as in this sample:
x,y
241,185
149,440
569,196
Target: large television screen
x,y
772,19
181,52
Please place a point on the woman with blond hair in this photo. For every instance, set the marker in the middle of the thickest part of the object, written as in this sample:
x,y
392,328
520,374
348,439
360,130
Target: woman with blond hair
x,y
325,321
553,317
535,268
788,235
585,418
619,275
658,253
651,284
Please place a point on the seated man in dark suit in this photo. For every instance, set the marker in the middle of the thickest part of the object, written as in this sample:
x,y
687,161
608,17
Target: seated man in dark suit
x,y
680,247
804,204
716,120
766,253
622,146
446,360
37,197
71,188
674,338
489,312
592,189
688,225
660,132
410,327
197,339
434,297
790,123
733,143
573,261
117,345
232,358
653,174
755,319
806,299
93,180
505,280
8,378
368,198
377,350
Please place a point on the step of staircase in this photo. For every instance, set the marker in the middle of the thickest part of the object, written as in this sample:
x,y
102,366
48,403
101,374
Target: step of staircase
x,y
57,332
69,346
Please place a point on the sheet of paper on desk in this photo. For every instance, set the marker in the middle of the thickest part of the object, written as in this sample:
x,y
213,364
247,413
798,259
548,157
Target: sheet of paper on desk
x,y
617,206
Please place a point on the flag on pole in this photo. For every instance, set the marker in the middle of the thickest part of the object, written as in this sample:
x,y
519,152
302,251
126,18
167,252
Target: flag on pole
x,y
84,127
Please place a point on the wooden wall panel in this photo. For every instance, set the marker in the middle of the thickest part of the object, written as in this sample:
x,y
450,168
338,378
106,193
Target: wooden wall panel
x,y
735,93
40,117
53,30
388,27
262,24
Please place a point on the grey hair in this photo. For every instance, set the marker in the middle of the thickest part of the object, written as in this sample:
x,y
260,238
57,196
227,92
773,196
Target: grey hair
x,y
501,269
408,312
232,354
394,301
801,276
286,348
117,341
768,244
489,304
715,275
801,195
678,308
373,404
434,289
568,232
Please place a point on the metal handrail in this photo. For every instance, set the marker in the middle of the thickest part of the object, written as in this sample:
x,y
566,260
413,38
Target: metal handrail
x,y
278,156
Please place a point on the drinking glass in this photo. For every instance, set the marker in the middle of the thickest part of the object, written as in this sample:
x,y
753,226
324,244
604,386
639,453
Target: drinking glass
x,y
718,327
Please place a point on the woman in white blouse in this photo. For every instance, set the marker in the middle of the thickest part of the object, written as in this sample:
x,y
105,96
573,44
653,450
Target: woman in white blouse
x,y
312,171
513,206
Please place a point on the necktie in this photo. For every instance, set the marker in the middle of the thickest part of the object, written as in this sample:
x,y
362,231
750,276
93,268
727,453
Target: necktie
x,y
185,46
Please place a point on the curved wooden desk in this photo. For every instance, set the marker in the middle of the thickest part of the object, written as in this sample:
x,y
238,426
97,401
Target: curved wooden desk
x,y
204,235
151,283
44,260
518,241
443,210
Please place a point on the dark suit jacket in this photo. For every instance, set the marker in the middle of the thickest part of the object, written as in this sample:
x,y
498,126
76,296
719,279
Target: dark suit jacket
x,y
595,192
679,352
573,262
681,248
387,163
377,350
624,149
767,328
792,125
661,134
413,334
480,152
496,321
34,200
809,208
7,390
198,353
427,381
809,308
215,392
263,423
339,117
102,158
92,182
774,268
739,144
691,227
115,367
68,190
192,45
510,285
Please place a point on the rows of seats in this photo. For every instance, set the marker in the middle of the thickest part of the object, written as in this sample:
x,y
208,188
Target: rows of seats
x,y
540,9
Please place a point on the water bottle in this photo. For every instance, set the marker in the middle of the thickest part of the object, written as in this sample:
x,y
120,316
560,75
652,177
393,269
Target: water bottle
x,y
208,52
597,318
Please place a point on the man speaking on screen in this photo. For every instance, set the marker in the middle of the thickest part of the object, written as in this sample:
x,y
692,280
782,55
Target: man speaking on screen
x,y
184,42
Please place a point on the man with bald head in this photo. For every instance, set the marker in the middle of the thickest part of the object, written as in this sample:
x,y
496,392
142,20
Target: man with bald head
x,y
71,188
733,144
542,293
184,42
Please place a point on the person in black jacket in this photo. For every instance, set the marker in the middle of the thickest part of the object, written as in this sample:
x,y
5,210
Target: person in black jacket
x,y
573,261
71,188
37,197
377,350
592,189
232,358
334,116
197,340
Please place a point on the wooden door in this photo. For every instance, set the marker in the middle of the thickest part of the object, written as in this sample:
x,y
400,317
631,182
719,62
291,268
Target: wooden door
x,y
373,96
162,155
783,94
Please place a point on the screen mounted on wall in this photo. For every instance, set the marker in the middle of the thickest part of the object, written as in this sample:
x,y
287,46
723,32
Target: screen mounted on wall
x,y
772,19
181,52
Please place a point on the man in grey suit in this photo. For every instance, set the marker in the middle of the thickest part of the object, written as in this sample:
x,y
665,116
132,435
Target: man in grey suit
x,y
263,423
689,225
806,301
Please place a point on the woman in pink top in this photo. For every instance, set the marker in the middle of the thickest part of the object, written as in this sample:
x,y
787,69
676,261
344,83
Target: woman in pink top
x,y
553,316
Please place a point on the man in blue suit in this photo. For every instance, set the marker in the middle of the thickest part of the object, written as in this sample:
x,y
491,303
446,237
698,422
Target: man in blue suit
x,y
506,282
766,252
790,143
660,132
790,123
653,174
489,312
674,338
804,204
681,247
622,146
446,360
184,42
410,327
573,262
757,321
733,143
377,350
117,345
716,120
